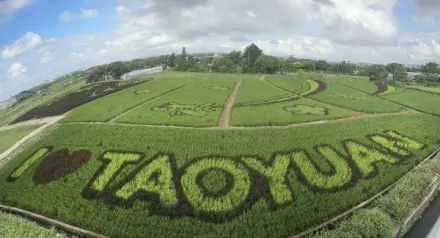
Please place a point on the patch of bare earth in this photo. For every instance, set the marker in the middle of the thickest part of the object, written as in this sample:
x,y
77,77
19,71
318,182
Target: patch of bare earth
x,y
225,117
264,78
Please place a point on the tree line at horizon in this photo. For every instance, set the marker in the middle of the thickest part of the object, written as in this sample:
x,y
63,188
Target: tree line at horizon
x,y
253,60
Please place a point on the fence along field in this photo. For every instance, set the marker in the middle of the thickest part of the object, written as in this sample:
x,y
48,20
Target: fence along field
x,y
178,182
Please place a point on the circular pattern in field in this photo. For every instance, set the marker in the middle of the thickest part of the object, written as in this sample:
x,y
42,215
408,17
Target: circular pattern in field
x,y
215,182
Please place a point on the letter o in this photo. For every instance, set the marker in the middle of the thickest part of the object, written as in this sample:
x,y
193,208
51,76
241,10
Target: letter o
x,y
234,197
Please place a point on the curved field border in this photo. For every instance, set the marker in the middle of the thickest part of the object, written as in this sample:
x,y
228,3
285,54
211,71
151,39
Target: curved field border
x,y
363,204
321,88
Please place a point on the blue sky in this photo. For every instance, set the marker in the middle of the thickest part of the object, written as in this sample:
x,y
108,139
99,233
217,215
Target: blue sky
x,y
42,39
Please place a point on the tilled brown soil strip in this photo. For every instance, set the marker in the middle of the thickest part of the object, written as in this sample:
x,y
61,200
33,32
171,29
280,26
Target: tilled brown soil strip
x,y
321,88
225,117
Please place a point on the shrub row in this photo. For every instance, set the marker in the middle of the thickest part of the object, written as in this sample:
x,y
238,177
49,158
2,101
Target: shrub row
x,y
390,210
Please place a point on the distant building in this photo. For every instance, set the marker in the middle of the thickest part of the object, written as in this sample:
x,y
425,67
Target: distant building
x,y
142,72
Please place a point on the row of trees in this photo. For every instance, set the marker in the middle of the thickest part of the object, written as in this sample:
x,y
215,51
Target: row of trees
x,y
253,60
116,69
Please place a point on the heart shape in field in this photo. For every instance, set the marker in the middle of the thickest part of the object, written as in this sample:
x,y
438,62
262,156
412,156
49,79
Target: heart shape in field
x,y
60,164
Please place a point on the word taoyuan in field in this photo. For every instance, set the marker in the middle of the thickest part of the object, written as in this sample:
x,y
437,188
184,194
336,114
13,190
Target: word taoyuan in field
x,y
218,188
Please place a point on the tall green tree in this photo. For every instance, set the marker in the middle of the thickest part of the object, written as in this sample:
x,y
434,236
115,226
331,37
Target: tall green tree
x,y
267,64
398,71
172,60
235,56
377,72
250,55
430,68
223,65
183,55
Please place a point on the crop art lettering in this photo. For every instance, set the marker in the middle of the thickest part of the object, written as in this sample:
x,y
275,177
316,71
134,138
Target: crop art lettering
x,y
219,188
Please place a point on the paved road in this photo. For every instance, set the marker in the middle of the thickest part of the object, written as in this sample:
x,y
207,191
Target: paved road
x,y
429,224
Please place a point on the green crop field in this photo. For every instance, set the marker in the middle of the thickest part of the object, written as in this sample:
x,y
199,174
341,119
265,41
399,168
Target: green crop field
x,y
198,104
276,114
222,155
289,83
251,88
417,100
14,226
425,88
347,97
11,136
106,108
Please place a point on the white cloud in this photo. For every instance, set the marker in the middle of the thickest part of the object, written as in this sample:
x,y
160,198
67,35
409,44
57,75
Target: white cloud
x,y
10,7
78,55
86,13
28,41
67,16
363,22
16,70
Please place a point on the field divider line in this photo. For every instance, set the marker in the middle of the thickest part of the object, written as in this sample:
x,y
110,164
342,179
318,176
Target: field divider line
x,y
34,133
225,117
150,100
412,108
51,222
305,96
367,116
364,203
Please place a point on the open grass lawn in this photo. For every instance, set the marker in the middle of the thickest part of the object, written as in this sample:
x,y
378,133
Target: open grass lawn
x,y
296,111
9,137
420,101
198,104
228,183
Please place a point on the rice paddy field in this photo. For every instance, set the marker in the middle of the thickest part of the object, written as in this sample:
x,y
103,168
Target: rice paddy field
x,y
9,137
223,155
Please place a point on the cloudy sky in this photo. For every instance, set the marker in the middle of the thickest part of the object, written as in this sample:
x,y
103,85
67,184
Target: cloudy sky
x,y
42,39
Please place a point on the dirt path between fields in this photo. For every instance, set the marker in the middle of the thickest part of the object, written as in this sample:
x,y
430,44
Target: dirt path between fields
x,y
46,121
225,118
38,121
